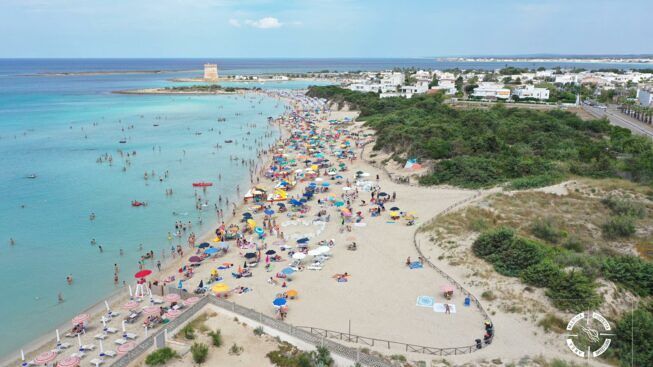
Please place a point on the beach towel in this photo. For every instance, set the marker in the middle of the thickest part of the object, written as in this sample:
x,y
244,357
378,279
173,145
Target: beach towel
x,y
391,222
360,224
425,301
439,307
416,265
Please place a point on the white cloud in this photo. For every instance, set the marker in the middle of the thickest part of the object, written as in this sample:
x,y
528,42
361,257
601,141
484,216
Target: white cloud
x,y
264,23
234,23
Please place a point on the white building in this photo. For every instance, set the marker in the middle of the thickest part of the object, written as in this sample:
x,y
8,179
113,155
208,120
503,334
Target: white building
x,y
645,96
529,91
448,86
488,90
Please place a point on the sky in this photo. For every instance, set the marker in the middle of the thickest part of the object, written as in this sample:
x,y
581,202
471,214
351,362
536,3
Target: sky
x,y
322,28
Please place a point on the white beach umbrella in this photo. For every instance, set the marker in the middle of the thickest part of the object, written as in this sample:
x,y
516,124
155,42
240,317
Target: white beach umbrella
x,y
298,255
323,249
314,252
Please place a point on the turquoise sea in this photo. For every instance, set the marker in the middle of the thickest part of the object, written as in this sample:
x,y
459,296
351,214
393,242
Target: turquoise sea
x,y
57,127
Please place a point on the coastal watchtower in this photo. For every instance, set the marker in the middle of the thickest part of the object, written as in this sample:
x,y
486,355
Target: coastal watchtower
x,y
211,72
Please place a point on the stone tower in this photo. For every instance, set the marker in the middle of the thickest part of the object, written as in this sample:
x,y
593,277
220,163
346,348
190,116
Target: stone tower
x,y
211,72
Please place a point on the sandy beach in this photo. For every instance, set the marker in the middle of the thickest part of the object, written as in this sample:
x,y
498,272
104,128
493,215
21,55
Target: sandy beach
x,y
378,297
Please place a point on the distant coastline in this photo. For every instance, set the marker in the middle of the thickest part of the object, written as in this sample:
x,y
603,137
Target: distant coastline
x,y
108,72
597,60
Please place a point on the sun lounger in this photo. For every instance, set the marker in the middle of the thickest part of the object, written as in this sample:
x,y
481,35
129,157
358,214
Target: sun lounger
x,y
27,364
87,347
114,314
97,361
157,301
79,354
120,341
111,330
110,353
314,267
130,336
100,336
64,345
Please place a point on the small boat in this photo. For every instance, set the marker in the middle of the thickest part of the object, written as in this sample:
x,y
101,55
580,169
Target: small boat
x,y
229,141
155,125
138,203
31,176
202,184
123,141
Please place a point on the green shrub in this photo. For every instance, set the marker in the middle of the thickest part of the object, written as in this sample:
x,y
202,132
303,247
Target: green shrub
x,y
492,242
634,273
531,182
625,207
188,332
160,356
216,338
200,352
519,255
542,274
236,349
618,227
488,296
574,244
553,323
573,292
545,229
259,331
634,340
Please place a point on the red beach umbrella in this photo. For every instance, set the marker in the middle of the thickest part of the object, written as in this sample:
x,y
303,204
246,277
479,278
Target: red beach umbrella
x,y
130,305
69,362
143,273
191,301
45,358
123,349
195,259
151,310
81,318
173,314
171,297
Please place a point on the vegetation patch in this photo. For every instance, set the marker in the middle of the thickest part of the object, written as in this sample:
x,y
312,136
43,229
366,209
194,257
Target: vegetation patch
x,y
160,356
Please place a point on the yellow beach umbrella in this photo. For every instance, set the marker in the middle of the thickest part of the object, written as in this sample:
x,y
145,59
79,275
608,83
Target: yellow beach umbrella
x,y
394,214
251,223
220,288
292,293
216,239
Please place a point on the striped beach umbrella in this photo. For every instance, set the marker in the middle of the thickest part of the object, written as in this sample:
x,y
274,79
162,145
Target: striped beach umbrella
x,y
69,362
191,301
171,297
173,314
45,358
130,305
81,318
151,310
125,348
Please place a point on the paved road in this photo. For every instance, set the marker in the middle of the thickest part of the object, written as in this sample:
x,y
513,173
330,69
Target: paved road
x,y
617,118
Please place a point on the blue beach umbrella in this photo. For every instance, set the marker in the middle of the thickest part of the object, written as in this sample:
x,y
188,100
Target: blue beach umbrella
x,y
302,240
268,212
326,184
247,215
211,251
287,271
340,203
279,302
204,245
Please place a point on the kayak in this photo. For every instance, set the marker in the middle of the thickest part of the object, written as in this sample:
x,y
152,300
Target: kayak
x,y
137,203
202,184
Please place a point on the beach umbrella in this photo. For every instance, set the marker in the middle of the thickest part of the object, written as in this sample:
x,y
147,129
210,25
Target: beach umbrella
x,y
204,245
69,362
279,302
247,215
45,358
142,274
323,249
81,318
130,305
383,194
287,271
394,214
281,204
325,184
125,348
251,223
211,250
292,293
314,252
298,256
250,255
302,240
195,259
172,297
346,188
394,208
365,174
191,301
359,172
173,314
220,288
270,252
152,310
447,288
268,211
339,203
